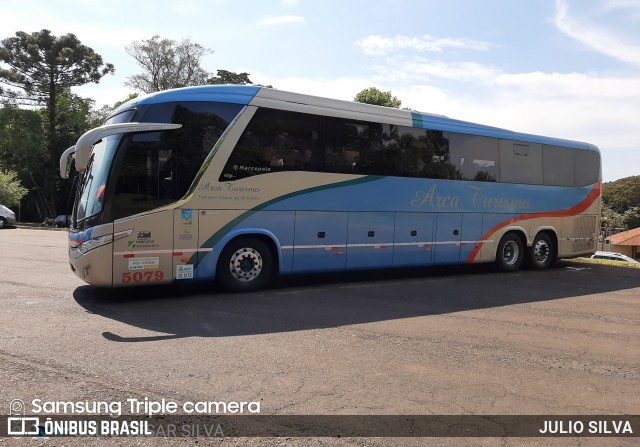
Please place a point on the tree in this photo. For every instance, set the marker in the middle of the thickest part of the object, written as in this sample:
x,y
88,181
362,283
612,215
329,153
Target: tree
x,y
23,147
98,116
74,113
22,140
610,219
23,150
229,77
41,67
167,64
622,194
377,97
11,191
632,218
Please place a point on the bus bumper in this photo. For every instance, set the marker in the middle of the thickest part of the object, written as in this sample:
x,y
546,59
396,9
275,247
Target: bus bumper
x,y
94,266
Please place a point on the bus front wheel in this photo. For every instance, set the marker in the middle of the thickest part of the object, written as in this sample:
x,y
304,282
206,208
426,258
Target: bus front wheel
x,y
245,265
510,253
541,253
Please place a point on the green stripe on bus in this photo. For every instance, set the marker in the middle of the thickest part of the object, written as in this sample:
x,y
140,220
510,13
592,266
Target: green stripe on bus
x,y
417,120
215,238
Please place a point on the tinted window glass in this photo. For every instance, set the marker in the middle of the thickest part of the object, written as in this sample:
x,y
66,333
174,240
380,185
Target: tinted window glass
x,y
356,147
587,167
157,168
440,165
92,184
520,162
275,141
557,165
145,180
408,151
123,117
474,157
422,153
278,140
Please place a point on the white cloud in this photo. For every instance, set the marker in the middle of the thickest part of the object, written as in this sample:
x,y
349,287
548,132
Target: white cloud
x,y
92,34
103,96
376,45
573,85
269,21
290,3
601,40
623,4
426,70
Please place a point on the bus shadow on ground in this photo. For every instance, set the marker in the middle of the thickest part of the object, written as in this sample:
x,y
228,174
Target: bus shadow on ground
x,y
316,302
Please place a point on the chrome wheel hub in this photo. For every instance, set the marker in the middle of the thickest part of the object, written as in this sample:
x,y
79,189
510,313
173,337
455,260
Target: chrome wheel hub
x,y
541,251
510,253
246,264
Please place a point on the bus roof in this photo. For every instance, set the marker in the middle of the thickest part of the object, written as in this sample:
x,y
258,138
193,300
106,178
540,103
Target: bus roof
x,y
262,96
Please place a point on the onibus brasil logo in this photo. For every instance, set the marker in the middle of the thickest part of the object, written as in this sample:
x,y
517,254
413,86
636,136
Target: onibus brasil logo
x,y
19,424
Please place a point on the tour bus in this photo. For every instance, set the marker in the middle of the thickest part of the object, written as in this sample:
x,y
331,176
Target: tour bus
x,y
242,184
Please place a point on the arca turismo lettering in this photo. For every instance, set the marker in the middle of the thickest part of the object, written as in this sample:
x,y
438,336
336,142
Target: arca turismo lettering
x,y
480,201
430,198
230,187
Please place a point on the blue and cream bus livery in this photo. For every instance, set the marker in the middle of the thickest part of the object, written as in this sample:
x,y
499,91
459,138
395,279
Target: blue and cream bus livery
x,y
241,184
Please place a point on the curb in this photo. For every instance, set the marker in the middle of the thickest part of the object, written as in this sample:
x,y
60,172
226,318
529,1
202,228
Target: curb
x,y
35,226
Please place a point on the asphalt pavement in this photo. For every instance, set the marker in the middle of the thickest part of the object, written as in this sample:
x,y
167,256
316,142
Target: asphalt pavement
x,y
457,341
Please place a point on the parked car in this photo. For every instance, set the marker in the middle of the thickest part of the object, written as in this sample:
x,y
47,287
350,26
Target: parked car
x,y
611,256
7,217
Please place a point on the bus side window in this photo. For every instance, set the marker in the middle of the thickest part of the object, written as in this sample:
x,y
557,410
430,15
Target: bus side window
x,y
347,146
587,167
521,162
410,152
157,168
474,157
557,166
274,141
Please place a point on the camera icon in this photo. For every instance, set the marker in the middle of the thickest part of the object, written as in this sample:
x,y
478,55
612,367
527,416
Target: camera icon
x,y
16,407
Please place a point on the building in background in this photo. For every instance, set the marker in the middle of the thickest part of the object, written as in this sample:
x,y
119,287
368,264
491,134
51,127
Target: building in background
x,y
627,243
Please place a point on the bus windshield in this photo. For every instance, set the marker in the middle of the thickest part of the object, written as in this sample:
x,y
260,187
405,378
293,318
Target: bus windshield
x,y
143,170
93,181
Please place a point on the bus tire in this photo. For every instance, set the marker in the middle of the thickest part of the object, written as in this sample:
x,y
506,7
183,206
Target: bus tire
x,y
510,253
541,254
245,265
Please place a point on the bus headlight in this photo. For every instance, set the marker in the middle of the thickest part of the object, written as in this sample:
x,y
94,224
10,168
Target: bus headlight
x,y
76,252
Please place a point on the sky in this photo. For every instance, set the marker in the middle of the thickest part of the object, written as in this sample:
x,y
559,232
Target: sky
x,y
561,68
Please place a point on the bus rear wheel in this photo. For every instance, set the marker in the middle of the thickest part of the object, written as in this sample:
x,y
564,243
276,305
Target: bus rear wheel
x,y
245,265
541,253
510,253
